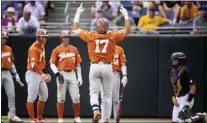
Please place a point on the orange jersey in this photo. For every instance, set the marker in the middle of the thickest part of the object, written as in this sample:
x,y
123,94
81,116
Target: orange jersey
x,y
65,58
36,55
7,57
101,47
119,58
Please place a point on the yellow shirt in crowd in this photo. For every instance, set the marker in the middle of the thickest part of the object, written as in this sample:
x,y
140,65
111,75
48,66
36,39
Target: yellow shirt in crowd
x,y
188,13
148,24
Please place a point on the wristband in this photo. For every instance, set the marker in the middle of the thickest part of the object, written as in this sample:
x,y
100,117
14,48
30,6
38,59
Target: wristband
x,y
57,74
190,97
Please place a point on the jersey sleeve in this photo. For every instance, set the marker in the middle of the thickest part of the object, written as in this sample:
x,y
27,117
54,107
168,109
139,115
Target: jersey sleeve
x,y
118,36
190,81
78,57
54,57
85,35
12,56
33,61
122,57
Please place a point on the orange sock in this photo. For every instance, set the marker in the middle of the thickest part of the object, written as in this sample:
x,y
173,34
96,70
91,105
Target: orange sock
x,y
40,109
76,109
30,110
60,109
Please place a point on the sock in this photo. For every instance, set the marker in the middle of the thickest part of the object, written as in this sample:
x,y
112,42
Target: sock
x,y
40,109
30,110
76,109
115,108
60,109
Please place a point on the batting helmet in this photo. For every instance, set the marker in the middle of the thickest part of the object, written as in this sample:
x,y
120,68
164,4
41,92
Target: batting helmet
x,y
180,56
102,25
4,34
41,32
64,33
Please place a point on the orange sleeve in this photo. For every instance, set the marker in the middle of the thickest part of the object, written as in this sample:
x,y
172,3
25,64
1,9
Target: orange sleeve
x,y
78,57
12,56
33,61
118,35
122,57
54,57
85,36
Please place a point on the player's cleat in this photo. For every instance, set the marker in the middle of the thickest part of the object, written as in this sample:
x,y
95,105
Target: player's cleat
x,y
41,121
106,121
60,120
96,117
77,120
32,121
16,119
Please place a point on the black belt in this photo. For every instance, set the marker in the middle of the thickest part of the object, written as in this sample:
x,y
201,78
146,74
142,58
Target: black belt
x,y
99,62
4,69
67,70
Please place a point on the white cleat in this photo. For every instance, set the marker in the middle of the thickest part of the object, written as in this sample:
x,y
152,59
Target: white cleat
x,y
77,120
41,121
60,120
16,119
32,121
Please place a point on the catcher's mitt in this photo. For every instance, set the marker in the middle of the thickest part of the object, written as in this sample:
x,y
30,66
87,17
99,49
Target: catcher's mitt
x,y
185,113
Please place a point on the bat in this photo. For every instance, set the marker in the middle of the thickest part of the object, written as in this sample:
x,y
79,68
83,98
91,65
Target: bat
x,y
120,105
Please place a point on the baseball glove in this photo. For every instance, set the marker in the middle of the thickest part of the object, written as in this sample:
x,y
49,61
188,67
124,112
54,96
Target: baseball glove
x,y
185,113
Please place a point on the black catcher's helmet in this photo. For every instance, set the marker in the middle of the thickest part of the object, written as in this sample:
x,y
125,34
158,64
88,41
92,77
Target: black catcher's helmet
x,y
180,56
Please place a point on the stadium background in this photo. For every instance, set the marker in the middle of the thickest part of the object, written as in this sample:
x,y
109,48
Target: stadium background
x,y
149,91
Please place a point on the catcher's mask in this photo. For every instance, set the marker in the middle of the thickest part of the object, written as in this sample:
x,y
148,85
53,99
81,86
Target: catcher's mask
x,y
4,37
41,35
180,59
65,34
102,25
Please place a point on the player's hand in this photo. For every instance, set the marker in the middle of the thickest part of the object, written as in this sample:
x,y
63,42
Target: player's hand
x,y
123,11
80,81
175,102
60,78
124,81
80,9
46,78
18,80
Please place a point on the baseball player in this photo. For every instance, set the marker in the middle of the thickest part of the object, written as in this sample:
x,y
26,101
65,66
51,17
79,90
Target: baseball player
x,y
35,78
65,60
101,47
183,86
118,65
7,66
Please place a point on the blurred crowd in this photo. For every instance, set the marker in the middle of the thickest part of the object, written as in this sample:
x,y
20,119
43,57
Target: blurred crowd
x,y
24,17
147,16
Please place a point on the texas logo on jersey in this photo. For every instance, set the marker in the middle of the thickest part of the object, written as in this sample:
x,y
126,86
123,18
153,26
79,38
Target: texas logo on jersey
x,y
64,55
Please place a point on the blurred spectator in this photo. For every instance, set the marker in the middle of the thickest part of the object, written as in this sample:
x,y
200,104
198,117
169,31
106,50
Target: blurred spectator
x,y
99,14
120,21
200,23
172,10
21,5
9,21
150,22
137,7
188,13
115,4
159,6
36,10
108,10
8,4
27,24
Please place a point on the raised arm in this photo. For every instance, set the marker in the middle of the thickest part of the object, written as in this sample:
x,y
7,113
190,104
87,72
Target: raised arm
x,y
77,16
127,25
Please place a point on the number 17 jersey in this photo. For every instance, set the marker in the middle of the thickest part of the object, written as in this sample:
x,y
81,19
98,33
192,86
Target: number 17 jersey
x,y
101,47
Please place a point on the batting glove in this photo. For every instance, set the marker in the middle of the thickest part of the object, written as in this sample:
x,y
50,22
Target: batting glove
x,y
78,13
124,12
60,78
80,81
124,81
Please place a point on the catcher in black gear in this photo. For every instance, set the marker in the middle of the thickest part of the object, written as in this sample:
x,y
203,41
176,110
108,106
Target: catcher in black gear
x,y
183,86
